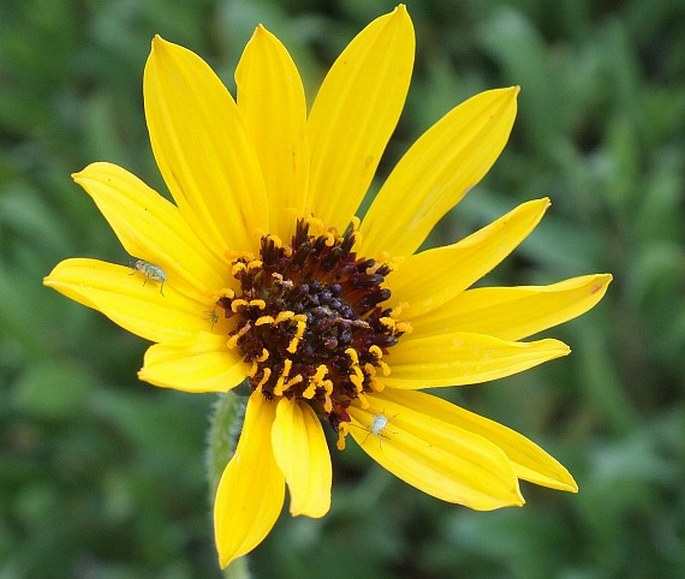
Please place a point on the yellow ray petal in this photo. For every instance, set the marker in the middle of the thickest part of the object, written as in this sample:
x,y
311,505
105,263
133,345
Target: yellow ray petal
x,y
202,364
151,228
428,361
529,461
514,313
124,296
202,148
302,454
250,494
437,457
437,171
272,103
429,279
354,114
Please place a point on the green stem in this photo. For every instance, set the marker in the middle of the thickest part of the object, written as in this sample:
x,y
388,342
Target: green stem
x,y
224,428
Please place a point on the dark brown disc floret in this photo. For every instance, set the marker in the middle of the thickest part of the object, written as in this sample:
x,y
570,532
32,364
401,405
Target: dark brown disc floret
x,y
308,318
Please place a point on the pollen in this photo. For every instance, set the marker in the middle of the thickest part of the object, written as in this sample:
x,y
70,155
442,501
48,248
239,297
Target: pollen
x,y
309,319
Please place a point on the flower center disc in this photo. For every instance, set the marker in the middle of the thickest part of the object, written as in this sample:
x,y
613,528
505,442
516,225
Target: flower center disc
x,y
309,320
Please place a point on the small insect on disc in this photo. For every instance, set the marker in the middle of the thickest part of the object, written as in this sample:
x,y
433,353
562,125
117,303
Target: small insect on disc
x,y
150,271
212,316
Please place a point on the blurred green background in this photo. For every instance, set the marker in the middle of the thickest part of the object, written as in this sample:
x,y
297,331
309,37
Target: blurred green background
x,y
103,477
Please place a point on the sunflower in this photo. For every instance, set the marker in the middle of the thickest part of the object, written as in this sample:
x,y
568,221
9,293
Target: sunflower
x,y
260,271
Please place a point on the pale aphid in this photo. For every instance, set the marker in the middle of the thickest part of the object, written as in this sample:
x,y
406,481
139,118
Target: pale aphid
x,y
150,271
378,427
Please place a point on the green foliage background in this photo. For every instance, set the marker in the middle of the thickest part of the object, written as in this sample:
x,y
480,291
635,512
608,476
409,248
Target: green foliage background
x,y
103,477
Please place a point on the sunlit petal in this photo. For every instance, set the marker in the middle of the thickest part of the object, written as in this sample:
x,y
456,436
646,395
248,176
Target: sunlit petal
x,y
123,295
529,461
459,358
250,494
271,101
151,228
202,149
427,280
302,454
514,313
354,114
437,457
437,171
203,364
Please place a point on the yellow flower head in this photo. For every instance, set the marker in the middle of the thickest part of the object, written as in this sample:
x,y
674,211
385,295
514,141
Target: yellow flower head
x,y
268,275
